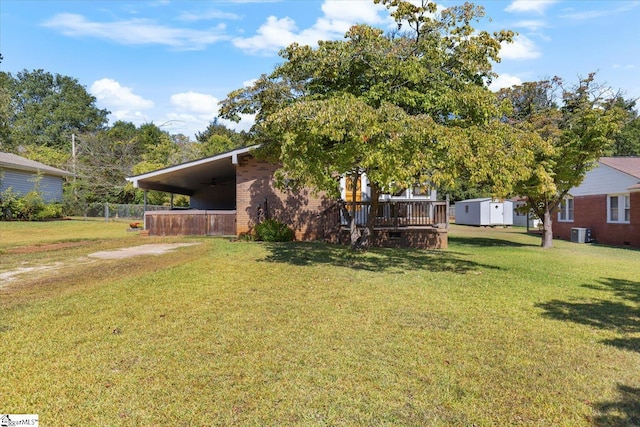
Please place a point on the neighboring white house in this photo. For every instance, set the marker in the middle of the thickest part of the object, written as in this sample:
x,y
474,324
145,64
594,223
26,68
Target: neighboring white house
x,y
23,175
485,212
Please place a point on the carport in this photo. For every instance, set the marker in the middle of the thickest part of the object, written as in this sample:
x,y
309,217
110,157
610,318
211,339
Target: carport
x,y
210,184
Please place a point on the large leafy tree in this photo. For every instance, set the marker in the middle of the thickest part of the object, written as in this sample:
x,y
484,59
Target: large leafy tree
x,y
578,122
404,108
627,142
217,138
46,109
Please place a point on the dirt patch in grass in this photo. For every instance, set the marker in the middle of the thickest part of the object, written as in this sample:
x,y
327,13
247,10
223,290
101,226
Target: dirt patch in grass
x,y
150,249
128,252
31,249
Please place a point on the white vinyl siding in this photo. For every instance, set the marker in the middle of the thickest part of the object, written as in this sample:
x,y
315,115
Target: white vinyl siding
x,y
565,211
604,180
618,208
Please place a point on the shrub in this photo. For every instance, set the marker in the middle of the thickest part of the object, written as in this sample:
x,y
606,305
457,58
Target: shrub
x,y
50,211
11,204
30,207
272,230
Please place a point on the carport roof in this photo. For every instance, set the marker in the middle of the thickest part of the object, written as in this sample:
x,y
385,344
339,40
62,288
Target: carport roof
x,y
188,178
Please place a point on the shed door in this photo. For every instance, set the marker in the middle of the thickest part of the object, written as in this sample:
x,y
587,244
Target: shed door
x,y
497,213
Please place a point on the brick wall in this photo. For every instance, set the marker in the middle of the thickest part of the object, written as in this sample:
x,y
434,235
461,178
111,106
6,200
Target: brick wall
x,y
417,238
591,212
300,210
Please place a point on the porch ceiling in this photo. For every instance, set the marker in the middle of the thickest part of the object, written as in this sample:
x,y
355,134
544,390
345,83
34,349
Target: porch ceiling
x,y
189,178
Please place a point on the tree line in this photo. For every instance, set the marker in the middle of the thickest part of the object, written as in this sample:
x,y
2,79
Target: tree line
x,y
53,119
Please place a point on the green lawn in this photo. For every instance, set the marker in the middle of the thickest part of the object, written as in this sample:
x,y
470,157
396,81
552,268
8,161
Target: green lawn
x,y
493,331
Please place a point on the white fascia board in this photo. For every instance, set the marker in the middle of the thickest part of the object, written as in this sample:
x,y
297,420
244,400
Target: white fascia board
x,y
230,154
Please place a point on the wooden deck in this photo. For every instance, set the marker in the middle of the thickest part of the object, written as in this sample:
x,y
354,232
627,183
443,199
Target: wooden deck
x,y
398,214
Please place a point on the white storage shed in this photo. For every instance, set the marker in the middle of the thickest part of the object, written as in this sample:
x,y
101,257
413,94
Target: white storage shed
x,y
485,211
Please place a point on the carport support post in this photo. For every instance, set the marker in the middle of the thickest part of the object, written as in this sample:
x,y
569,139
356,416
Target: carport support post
x,y
144,210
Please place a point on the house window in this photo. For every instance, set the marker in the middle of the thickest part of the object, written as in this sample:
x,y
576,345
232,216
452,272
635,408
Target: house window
x,y
565,212
619,208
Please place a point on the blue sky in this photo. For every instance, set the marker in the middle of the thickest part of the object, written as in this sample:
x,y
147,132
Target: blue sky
x,y
170,62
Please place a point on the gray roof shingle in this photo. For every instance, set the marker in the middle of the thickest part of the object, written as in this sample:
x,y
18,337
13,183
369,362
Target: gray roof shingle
x,y
13,161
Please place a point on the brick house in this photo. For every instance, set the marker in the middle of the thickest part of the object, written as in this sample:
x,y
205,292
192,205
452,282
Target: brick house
x,y
231,192
607,203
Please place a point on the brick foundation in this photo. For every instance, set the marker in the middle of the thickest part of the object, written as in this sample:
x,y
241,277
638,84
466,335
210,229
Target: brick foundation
x,y
417,238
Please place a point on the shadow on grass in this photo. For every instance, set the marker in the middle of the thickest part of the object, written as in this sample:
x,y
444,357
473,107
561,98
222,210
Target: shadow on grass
x,y
488,242
375,260
620,312
623,412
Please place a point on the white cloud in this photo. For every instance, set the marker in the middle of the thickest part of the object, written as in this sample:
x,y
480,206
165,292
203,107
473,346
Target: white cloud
x,y
191,113
353,11
207,15
521,48
531,25
623,67
537,6
338,16
504,81
136,32
601,13
121,101
271,36
109,92
198,103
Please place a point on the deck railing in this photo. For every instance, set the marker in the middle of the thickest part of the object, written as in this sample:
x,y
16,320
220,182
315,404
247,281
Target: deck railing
x,y
401,213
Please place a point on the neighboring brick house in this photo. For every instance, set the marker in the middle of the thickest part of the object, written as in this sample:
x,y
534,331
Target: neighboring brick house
x,y
23,175
607,202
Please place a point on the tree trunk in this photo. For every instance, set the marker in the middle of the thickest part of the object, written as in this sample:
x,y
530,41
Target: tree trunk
x,y
354,233
547,230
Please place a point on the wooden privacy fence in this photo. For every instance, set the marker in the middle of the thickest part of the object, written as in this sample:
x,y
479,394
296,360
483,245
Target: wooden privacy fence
x,y
190,222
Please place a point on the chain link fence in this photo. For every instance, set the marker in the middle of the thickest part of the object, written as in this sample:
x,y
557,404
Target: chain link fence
x,y
114,211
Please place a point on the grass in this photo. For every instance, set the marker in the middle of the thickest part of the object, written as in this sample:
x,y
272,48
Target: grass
x,y
492,332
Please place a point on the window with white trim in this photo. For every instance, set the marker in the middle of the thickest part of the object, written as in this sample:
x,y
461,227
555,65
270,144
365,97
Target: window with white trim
x,y
565,211
619,208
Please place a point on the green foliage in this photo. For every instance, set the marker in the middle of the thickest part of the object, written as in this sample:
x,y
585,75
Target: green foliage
x,y
46,109
49,211
10,204
217,138
30,207
272,230
403,108
627,142
579,128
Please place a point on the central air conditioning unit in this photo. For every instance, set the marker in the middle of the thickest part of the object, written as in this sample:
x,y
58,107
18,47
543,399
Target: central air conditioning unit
x,y
581,235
